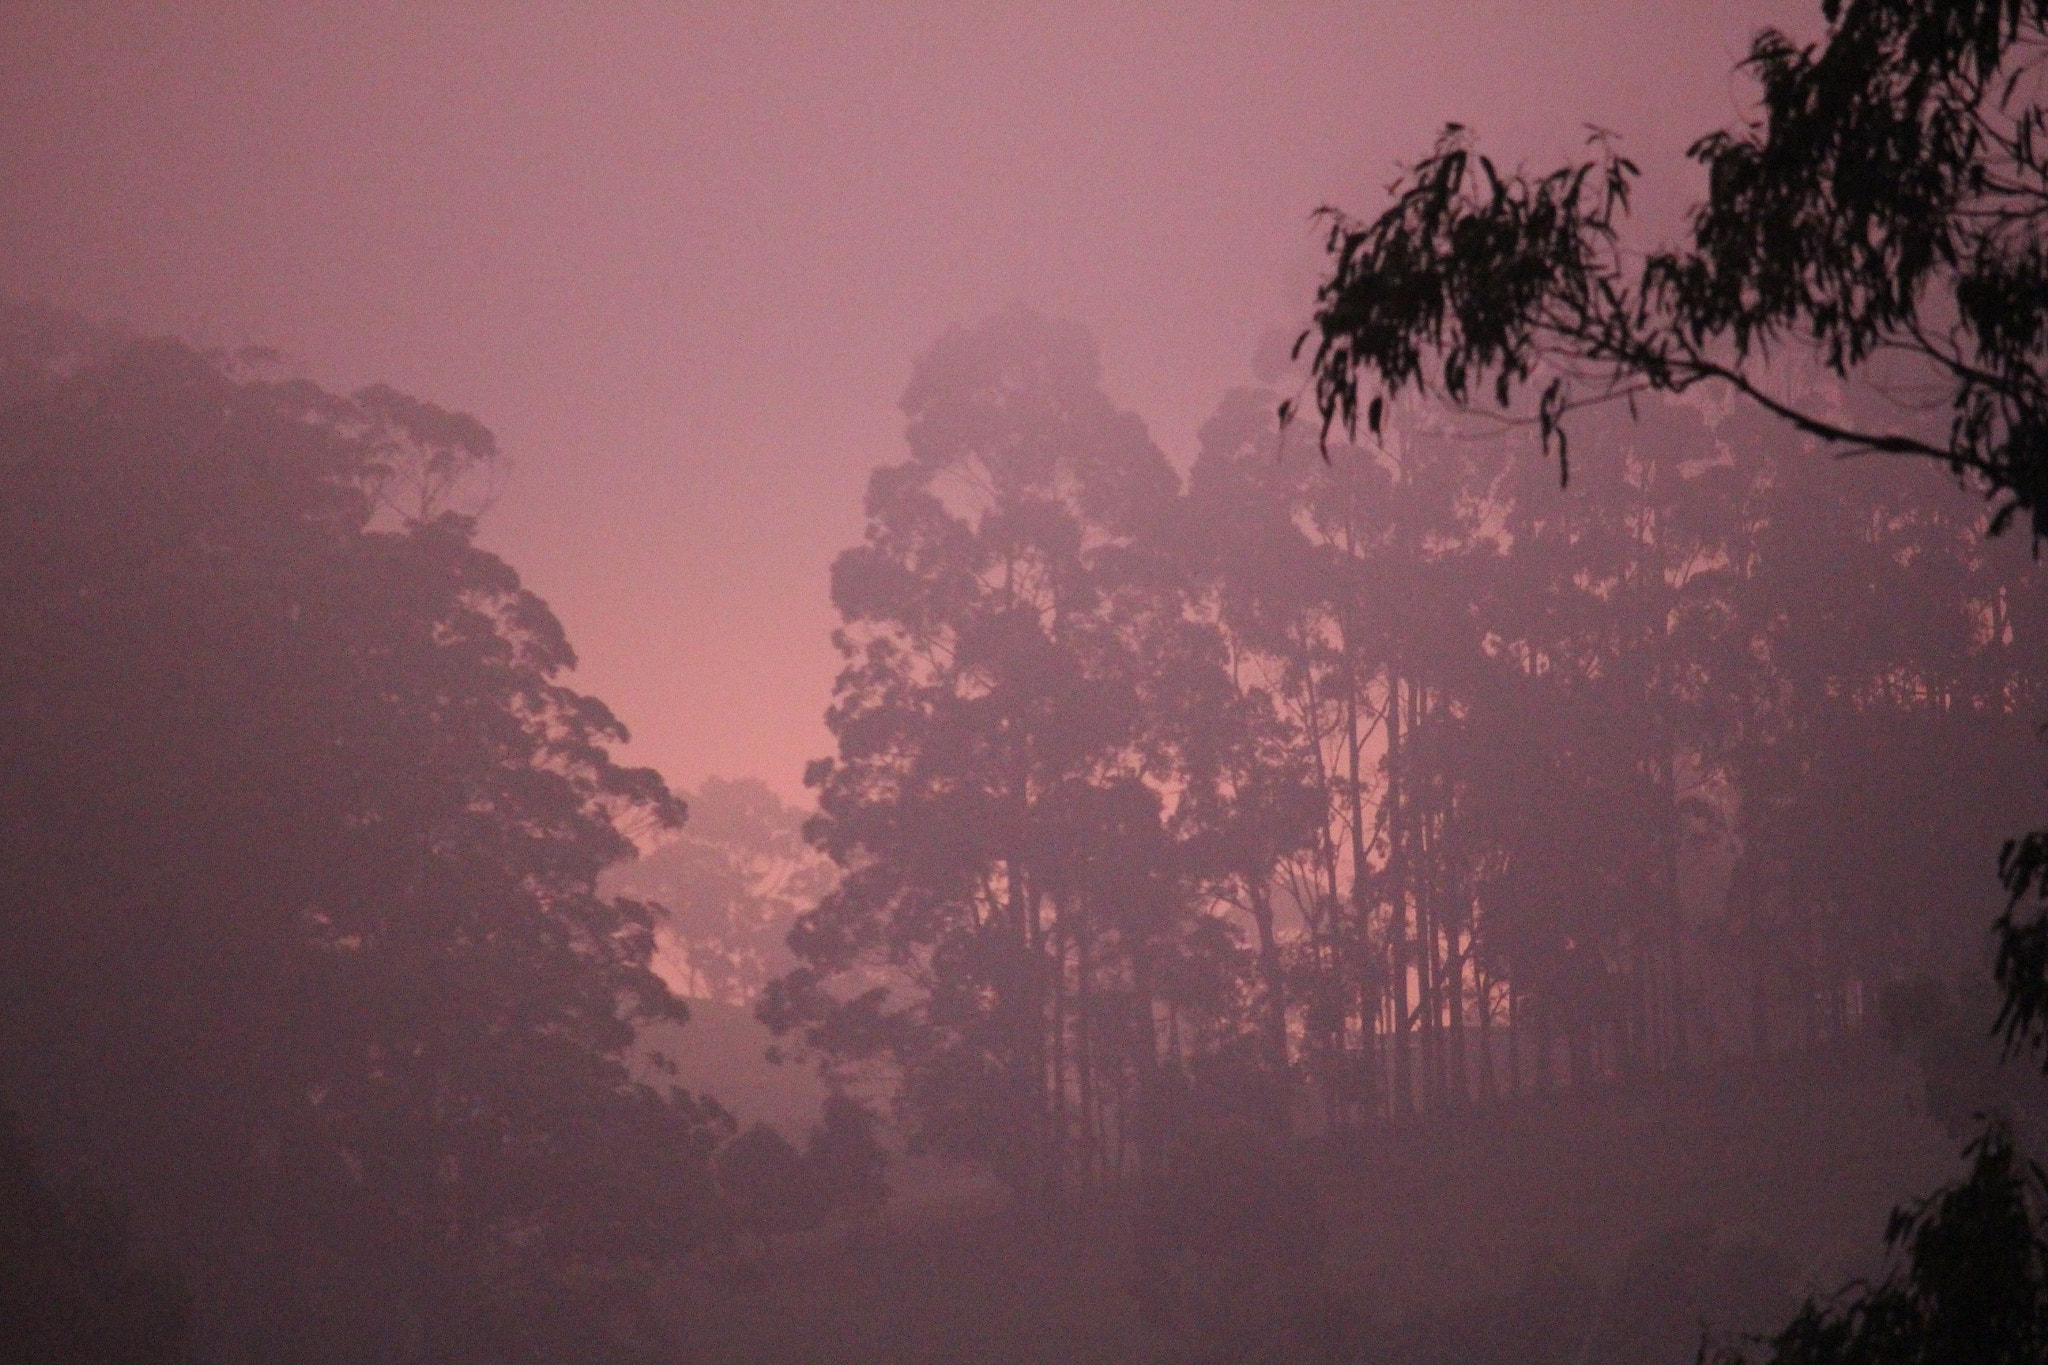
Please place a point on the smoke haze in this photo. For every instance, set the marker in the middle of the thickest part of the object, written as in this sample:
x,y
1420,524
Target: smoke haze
x,y
681,258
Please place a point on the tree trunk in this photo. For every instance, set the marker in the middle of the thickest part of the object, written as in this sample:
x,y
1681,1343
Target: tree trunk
x,y
1681,1041
1397,892
1274,974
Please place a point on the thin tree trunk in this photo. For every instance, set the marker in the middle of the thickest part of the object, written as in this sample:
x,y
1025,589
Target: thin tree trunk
x,y
1681,1032
1514,1040
1274,974
1489,1084
1397,891
1063,1122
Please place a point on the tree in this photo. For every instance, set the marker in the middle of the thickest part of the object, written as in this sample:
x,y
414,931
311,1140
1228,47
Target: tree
x,y
1971,1283
1889,201
846,1159
1887,205
730,885
1885,213
767,1183
1030,793
302,949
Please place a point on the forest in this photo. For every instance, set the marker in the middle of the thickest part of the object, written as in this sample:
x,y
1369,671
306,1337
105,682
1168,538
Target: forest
x,y
1494,855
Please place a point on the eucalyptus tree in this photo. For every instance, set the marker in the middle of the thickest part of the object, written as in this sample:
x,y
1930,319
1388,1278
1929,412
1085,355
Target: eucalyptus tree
x,y
1888,200
1342,589
1886,203
1894,660
303,949
1027,704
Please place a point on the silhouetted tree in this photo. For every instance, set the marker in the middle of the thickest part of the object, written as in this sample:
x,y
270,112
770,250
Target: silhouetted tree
x,y
1971,1284
1889,201
1032,787
302,946
768,1184
846,1159
1708,652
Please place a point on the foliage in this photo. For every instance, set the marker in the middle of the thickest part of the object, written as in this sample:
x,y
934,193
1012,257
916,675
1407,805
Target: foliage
x,y
1686,760
1973,1286
1884,212
1888,200
1033,795
846,1158
770,1187
302,943
767,1183
1496,790
1887,204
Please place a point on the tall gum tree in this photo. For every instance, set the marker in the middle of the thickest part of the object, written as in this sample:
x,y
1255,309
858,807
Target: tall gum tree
x,y
1031,727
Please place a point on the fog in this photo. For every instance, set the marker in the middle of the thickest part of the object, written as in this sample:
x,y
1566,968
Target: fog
x,y
681,259
673,694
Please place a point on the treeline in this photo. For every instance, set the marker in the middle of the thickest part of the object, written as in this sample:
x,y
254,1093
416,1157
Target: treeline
x,y
1308,790
1327,787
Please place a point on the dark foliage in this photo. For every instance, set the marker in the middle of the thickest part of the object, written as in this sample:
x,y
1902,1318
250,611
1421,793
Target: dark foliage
x,y
1890,198
846,1159
1045,778
767,1183
74,1287
301,947
1973,1286
771,1188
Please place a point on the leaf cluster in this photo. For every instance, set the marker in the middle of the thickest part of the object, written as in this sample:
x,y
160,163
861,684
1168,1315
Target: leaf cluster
x,y
1888,199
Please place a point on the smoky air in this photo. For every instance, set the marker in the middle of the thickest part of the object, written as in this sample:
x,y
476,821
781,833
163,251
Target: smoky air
x,y
1321,683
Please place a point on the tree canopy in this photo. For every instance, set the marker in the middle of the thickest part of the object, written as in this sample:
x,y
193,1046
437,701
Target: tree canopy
x,y
730,886
302,948
1887,201
1318,793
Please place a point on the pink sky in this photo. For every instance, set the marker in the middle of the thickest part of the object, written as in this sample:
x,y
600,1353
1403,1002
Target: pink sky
x,y
682,258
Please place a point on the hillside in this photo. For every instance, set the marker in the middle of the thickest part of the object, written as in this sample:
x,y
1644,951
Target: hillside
x,y
1591,1230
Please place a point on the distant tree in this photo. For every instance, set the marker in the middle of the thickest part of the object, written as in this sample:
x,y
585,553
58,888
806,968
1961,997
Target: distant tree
x,y
1888,204
770,1187
768,1184
1628,810
730,885
302,948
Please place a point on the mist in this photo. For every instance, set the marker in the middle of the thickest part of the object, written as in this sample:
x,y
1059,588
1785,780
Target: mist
x,y
697,684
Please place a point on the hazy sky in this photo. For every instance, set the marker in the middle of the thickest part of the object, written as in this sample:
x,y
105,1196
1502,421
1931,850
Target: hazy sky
x,y
681,258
